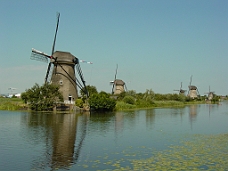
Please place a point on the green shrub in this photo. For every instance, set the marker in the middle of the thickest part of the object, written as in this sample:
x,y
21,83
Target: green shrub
x,y
121,96
102,102
142,103
129,100
120,105
42,98
79,103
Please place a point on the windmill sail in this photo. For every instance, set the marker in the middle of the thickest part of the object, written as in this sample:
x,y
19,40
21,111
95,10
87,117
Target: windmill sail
x,y
114,80
181,91
82,87
39,56
56,30
48,75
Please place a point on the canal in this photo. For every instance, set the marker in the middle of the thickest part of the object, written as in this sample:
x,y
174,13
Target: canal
x,y
191,137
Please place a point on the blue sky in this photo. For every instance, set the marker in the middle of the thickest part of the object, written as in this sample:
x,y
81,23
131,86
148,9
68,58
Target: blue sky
x,y
156,44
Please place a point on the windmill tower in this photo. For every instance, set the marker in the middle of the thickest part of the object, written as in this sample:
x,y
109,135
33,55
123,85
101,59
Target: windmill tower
x,y
192,90
181,91
61,70
118,86
210,94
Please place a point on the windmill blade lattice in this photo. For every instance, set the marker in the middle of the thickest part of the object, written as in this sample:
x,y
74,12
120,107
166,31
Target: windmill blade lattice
x,y
86,62
39,56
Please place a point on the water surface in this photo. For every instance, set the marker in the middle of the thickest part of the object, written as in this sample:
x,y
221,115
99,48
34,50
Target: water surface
x,y
118,140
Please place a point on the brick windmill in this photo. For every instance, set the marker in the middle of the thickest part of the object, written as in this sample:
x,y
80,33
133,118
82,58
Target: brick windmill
x,y
118,86
192,90
210,94
181,91
61,70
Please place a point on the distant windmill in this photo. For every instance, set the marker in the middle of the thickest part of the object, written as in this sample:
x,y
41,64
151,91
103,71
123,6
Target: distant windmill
x,y
61,70
181,91
192,90
118,86
11,90
210,94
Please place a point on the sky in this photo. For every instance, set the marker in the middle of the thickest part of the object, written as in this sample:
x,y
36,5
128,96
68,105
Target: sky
x,y
157,44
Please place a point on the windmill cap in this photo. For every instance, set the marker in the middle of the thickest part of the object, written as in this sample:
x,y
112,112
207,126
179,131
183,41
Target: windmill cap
x,y
119,82
65,57
192,87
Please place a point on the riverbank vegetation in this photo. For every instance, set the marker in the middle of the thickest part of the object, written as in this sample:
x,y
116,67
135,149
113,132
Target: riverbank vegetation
x,y
47,96
149,99
132,100
13,103
42,98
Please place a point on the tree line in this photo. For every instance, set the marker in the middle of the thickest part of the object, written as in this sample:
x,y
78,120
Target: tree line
x,y
47,97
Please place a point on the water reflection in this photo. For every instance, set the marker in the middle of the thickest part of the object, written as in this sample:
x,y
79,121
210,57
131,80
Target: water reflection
x,y
60,137
194,110
59,132
119,122
192,113
212,108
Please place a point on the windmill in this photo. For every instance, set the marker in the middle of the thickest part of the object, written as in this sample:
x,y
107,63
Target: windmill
x,y
61,70
118,86
192,90
11,91
210,94
181,91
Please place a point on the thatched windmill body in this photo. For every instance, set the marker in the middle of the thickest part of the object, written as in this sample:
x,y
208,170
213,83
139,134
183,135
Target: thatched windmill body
x,y
181,91
61,71
118,85
192,90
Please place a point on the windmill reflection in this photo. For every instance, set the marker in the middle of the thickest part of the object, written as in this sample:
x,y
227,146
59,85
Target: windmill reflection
x,y
192,113
63,140
63,135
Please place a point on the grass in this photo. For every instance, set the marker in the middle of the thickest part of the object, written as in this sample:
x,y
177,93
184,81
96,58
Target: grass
x,y
168,103
120,105
11,104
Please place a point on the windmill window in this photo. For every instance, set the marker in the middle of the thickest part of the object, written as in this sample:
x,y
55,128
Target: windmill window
x,y
61,82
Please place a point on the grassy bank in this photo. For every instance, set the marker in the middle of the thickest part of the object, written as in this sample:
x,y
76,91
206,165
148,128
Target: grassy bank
x,y
17,104
120,105
11,104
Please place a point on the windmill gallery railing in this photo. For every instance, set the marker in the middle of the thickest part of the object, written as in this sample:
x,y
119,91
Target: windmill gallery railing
x,y
69,102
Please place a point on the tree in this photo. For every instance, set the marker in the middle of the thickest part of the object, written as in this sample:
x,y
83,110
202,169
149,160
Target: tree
x,y
91,90
42,98
79,103
149,95
121,95
131,93
102,102
215,99
129,99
